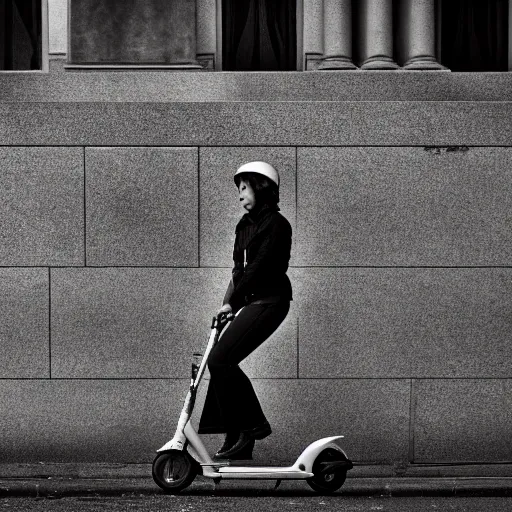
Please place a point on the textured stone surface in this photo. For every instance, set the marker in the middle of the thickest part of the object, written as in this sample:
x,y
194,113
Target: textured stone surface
x,y
373,415
337,19
142,206
56,64
41,207
404,206
162,86
374,21
187,124
24,331
436,123
58,26
313,26
206,32
257,123
146,323
88,420
126,420
463,420
220,205
416,31
404,322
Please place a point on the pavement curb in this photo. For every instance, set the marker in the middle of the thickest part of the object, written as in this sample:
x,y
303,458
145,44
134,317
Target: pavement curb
x,y
59,487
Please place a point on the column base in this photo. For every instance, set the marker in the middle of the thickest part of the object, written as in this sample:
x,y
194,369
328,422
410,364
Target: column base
x,y
424,62
378,62
337,63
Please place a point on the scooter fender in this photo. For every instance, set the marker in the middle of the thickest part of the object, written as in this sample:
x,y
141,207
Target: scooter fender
x,y
308,456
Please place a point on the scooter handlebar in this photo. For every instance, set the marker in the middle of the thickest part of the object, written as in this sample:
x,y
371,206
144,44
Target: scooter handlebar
x,y
220,320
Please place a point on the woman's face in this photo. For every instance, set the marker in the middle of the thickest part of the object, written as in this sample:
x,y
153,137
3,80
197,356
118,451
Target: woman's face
x,y
246,195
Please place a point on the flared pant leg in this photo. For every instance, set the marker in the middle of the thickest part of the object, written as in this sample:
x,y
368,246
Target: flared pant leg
x,y
231,403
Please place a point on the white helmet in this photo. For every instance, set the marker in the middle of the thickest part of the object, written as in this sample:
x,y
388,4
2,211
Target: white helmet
x,y
259,168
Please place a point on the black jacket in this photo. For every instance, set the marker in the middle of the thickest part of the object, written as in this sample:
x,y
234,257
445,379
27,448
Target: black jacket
x,y
265,238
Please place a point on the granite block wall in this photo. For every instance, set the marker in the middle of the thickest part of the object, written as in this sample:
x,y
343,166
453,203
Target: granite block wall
x,y
195,122
42,207
141,203
115,258
24,334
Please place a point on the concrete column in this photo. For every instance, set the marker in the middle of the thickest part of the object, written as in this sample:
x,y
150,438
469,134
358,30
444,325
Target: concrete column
x,y
337,35
58,26
206,33
418,34
313,33
376,34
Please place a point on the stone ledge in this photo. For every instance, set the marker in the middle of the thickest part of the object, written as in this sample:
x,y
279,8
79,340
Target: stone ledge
x,y
166,85
287,123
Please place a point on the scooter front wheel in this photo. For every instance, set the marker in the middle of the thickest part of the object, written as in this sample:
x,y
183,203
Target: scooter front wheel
x,y
174,470
325,482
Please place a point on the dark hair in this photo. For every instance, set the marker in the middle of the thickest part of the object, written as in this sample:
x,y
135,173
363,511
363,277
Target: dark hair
x,y
265,190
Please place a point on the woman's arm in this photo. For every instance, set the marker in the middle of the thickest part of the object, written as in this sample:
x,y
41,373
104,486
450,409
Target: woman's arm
x,y
273,252
229,292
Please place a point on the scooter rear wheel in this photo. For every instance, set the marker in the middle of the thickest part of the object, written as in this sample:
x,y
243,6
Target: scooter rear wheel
x,y
174,470
327,483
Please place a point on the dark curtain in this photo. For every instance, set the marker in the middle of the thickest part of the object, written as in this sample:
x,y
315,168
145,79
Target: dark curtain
x,y
259,35
20,20
474,35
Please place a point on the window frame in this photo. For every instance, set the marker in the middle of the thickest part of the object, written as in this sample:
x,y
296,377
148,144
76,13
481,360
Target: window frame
x,y
45,38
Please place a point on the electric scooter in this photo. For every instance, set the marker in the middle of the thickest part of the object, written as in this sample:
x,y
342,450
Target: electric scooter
x,y
323,464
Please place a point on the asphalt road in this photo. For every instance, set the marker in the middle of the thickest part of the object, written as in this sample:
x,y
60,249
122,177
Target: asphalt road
x,y
231,502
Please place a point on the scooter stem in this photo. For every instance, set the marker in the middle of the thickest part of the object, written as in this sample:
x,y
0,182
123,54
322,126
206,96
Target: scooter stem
x,y
202,367
179,440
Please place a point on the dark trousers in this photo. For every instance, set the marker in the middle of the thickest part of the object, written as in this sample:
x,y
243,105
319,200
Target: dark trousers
x,y
231,403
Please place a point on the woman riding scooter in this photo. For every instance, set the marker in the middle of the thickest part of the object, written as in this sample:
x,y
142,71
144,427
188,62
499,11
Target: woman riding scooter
x,y
259,293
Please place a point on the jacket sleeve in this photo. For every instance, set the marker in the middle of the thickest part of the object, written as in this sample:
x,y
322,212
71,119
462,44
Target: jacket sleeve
x,y
273,254
238,268
229,292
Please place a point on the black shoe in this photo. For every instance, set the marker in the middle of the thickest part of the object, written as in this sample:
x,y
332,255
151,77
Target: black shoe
x,y
229,441
242,450
259,432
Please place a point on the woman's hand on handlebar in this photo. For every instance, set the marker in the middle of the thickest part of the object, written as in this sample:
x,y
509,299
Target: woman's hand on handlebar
x,y
225,313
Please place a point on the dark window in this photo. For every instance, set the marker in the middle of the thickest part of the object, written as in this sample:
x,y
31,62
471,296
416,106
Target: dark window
x,y
474,35
20,34
259,35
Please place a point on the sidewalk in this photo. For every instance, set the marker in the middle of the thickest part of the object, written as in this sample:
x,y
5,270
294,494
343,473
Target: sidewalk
x,y
53,480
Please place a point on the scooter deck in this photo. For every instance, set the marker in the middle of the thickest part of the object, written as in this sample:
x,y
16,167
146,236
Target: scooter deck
x,y
256,472
238,462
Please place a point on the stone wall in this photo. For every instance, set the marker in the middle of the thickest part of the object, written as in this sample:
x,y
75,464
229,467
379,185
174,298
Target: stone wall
x,y
117,225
